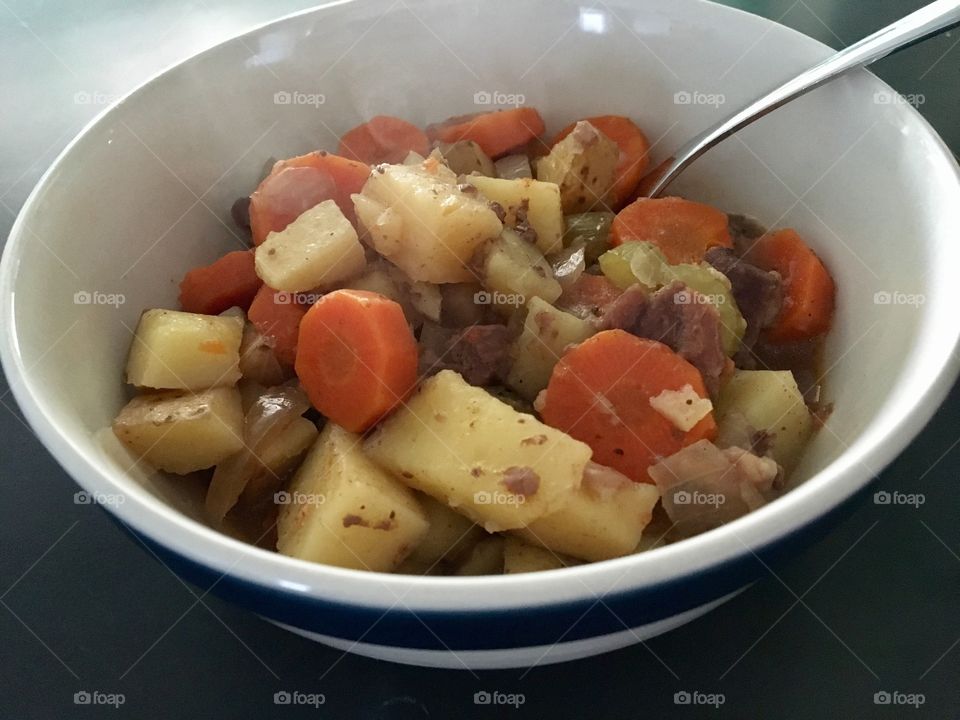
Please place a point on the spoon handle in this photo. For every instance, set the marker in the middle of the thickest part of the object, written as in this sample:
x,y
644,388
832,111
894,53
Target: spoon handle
x,y
929,20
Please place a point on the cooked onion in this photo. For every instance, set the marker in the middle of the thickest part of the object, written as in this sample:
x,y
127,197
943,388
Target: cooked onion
x,y
513,167
265,420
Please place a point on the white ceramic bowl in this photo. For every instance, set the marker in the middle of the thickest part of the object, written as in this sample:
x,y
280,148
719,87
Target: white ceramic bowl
x,y
144,193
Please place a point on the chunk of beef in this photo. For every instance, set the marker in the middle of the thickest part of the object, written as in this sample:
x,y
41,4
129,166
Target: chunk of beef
x,y
480,353
744,230
758,293
679,318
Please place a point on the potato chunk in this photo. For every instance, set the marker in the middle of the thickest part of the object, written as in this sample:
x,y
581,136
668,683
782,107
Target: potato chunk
x,y
451,535
583,165
484,558
497,466
185,351
521,557
181,432
420,220
318,249
767,401
465,157
547,332
603,518
341,509
540,201
514,271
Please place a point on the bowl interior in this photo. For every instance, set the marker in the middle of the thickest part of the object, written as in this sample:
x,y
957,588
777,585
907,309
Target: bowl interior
x,y
145,193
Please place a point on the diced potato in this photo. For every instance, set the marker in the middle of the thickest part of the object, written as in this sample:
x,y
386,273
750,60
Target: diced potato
x,y
484,558
540,201
547,332
451,535
279,457
768,401
318,249
602,519
423,297
378,279
184,351
182,432
514,272
465,157
583,165
419,219
344,510
458,443
521,557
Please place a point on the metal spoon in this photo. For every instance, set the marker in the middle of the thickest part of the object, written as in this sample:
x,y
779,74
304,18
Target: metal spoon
x,y
926,22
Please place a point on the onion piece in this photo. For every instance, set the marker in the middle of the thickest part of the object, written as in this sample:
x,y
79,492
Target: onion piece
x,y
269,416
513,167
569,265
258,362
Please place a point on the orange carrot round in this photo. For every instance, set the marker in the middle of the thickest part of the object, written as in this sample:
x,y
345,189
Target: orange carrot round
x,y
297,184
230,281
683,230
277,316
356,357
634,152
600,394
497,133
383,139
808,288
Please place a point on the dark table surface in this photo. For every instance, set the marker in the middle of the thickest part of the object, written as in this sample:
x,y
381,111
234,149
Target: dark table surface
x,y
872,608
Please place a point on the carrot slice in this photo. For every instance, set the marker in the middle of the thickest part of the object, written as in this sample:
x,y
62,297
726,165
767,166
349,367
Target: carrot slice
x,y
356,357
600,394
634,152
497,133
683,230
808,288
229,281
383,139
277,316
297,184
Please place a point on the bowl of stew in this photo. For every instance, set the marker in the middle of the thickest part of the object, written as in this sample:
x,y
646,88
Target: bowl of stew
x,y
384,337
